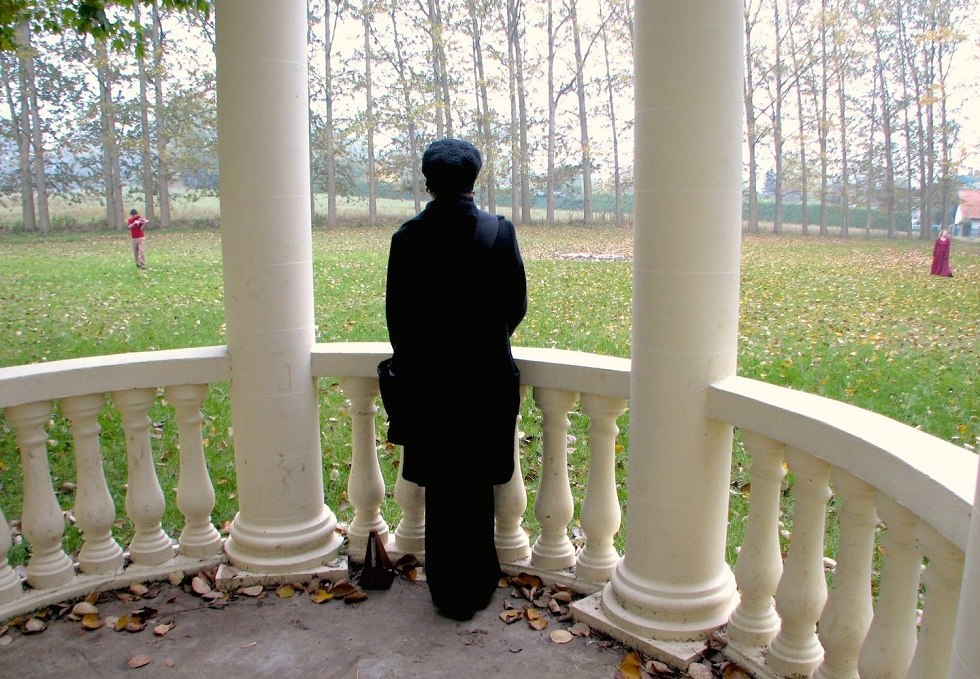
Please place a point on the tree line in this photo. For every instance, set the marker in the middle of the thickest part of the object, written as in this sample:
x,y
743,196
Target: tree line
x,y
849,99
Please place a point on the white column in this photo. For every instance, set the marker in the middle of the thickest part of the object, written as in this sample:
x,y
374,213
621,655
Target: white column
x,y
145,502
760,562
554,505
195,493
10,587
95,511
283,523
965,660
600,514
365,485
942,580
673,582
510,502
410,532
42,519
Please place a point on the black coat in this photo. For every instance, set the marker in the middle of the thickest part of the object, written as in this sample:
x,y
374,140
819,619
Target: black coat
x,y
453,299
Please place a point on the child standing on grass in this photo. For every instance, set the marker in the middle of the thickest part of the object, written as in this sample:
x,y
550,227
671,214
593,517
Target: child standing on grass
x,y
136,224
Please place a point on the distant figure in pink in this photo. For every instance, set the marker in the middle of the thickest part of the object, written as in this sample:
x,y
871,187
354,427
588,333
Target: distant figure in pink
x,y
940,255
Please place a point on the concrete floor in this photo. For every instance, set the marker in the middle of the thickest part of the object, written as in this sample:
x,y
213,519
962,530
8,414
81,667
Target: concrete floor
x,y
394,633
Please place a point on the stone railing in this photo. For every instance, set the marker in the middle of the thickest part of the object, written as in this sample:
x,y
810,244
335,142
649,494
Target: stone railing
x,y
901,493
919,486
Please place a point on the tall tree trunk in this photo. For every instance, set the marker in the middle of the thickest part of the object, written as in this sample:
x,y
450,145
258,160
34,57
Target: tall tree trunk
x,y
845,202
146,157
515,145
111,173
36,137
369,118
483,109
823,123
21,122
751,17
411,127
329,141
523,123
777,125
160,114
552,112
583,116
799,79
440,71
617,184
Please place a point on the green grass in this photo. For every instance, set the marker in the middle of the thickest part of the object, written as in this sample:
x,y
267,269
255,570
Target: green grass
x,y
857,320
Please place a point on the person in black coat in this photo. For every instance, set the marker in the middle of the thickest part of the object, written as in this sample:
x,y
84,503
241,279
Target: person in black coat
x,y
455,293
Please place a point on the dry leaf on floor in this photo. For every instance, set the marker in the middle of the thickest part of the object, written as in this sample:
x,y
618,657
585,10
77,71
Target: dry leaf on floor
x,y
511,615
321,595
83,608
92,621
355,598
732,671
200,585
580,629
138,589
138,661
561,636
35,626
164,627
630,665
285,591
699,671
342,589
254,590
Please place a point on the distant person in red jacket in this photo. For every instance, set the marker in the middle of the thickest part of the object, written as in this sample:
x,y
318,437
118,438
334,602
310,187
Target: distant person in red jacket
x,y
940,255
136,224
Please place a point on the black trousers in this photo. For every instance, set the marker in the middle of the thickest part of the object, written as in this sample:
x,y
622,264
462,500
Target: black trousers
x,y
461,563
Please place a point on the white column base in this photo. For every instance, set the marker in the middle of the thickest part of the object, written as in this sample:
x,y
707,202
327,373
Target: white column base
x,y
283,549
668,613
677,654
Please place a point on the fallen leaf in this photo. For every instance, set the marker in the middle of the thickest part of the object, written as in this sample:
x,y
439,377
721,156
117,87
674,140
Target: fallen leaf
x,y
561,636
93,597
176,578
92,621
630,665
254,590
511,615
658,667
355,598
249,645
698,671
138,661
169,662
135,625
164,627
83,608
200,585
342,589
732,671
285,591
35,626
139,589
580,629
120,623
540,624
564,596
321,595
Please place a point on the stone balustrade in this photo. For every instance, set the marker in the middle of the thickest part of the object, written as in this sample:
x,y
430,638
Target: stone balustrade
x,y
900,493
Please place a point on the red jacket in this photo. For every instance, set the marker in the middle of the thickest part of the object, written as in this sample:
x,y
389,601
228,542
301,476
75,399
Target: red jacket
x,y
135,224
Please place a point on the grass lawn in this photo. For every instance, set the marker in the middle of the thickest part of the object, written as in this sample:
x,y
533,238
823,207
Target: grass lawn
x,y
857,320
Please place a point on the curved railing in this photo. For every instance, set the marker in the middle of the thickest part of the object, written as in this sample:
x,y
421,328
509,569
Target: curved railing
x,y
919,486
910,490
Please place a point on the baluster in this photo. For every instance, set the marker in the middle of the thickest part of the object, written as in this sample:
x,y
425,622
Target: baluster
x,y
410,533
846,617
888,648
802,590
760,562
10,587
553,507
195,494
510,502
365,486
600,515
942,578
95,511
42,521
145,503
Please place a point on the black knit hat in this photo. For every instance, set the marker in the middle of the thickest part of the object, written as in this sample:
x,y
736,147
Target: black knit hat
x,y
451,166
